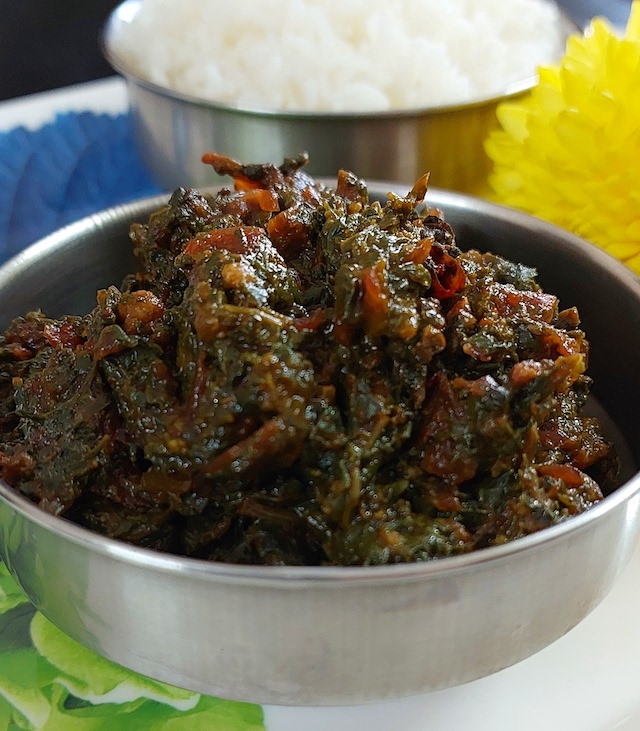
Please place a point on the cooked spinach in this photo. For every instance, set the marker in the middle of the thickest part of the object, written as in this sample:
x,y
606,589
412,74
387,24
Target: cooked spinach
x,y
298,375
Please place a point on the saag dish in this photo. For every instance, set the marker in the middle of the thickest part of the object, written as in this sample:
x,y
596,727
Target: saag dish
x,y
298,375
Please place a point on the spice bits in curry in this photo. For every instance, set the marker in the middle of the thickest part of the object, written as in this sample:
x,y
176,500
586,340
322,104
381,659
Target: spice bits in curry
x,y
299,375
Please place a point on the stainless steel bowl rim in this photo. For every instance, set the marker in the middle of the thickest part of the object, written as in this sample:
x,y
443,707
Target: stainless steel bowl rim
x,y
299,576
511,90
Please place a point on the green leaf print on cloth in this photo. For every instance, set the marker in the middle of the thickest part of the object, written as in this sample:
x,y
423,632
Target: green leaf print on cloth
x,y
49,682
11,595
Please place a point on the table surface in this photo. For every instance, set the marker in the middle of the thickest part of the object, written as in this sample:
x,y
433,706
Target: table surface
x,y
105,95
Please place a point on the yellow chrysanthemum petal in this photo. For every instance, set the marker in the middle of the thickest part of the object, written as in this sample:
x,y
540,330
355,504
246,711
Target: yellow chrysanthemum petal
x,y
633,26
634,263
622,250
514,120
569,151
549,77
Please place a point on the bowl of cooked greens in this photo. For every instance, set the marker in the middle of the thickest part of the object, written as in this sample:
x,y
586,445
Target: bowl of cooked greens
x,y
317,442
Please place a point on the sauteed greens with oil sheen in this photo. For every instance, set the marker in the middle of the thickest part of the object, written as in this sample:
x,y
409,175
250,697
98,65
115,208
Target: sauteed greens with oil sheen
x,y
298,375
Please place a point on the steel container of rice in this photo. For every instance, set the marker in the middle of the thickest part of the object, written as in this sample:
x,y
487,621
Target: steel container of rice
x,y
336,635
173,129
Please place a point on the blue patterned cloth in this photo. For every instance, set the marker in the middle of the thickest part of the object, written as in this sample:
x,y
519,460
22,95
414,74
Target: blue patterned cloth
x,y
75,166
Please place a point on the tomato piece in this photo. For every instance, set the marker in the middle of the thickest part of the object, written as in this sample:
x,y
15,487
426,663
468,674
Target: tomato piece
x,y
448,277
237,240
570,475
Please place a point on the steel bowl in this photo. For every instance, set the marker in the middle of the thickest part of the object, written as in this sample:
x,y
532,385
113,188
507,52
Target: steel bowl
x,y
172,130
336,635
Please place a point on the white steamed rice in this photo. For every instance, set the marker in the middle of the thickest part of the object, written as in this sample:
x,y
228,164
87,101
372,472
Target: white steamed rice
x,y
340,55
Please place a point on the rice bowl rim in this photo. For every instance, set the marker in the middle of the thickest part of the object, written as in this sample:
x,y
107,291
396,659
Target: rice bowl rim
x,y
129,7
294,577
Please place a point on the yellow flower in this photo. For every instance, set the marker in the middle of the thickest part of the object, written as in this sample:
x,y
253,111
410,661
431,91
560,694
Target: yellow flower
x,y
569,152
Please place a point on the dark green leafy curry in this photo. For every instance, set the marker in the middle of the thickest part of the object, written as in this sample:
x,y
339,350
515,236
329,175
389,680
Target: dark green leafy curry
x,y
297,375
